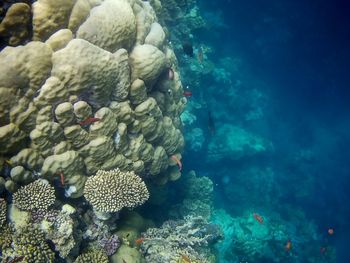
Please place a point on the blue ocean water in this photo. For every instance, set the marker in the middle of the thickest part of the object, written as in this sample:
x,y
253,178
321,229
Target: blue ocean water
x,y
281,84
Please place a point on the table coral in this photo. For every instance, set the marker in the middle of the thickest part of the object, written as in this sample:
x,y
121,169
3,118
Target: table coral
x,y
110,191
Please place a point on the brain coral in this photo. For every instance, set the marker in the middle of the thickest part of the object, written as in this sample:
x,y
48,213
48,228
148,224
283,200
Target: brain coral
x,y
36,195
110,191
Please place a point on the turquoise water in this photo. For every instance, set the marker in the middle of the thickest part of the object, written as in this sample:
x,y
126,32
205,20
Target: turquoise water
x,y
279,98
175,131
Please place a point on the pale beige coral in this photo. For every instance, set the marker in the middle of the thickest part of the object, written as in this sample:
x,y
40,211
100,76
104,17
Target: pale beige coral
x,y
76,135
24,114
45,136
107,124
122,87
82,110
147,63
20,175
62,147
29,158
15,25
97,152
138,92
23,70
110,191
145,16
59,39
51,93
80,12
148,108
110,26
69,163
49,16
173,140
88,70
64,114
159,162
122,111
156,36
10,138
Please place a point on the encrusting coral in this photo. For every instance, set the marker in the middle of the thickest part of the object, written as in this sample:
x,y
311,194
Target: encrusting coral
x,y
38,195
110,191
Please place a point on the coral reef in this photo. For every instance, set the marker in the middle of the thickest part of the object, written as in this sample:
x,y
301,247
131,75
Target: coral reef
x,y
92,256
38,195
3,211
190,237
197,198
91,106
30,245
110,191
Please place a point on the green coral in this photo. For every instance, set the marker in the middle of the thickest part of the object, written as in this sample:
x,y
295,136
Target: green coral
x,y
29,243
6,237
92,256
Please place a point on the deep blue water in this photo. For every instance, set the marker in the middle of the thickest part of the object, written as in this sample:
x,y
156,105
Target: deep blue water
x,y
297,53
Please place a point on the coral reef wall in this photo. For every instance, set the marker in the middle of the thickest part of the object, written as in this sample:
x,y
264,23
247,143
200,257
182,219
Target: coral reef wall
x,y
90,91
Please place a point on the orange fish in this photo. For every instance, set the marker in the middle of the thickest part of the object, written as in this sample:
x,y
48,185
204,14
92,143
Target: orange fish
x,y
258,218
200,55
89,121
177,161
288,246
330,231
61,175
139,241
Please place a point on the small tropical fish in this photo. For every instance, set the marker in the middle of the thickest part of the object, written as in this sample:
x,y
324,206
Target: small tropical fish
x,y
258,218
323,250
89,121
61,175
288,246
179,164
200,55
330,231
139,241
187,93
185,258
171,74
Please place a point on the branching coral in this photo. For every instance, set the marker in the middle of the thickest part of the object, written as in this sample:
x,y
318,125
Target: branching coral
x,y
110,191
3,211
190,237
38,195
